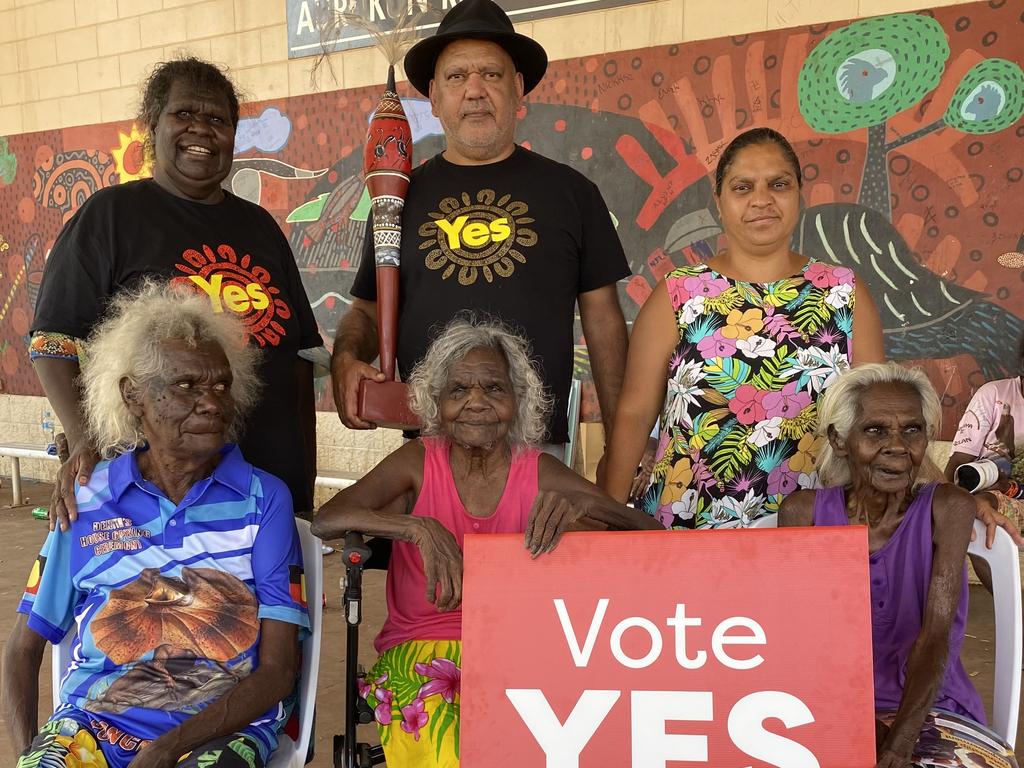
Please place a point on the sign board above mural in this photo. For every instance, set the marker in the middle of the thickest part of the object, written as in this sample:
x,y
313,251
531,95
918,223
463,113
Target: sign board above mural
x,y
307,18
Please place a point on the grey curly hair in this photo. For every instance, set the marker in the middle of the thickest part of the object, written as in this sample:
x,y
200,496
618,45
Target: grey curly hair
x,y
127,344
840,407
459,337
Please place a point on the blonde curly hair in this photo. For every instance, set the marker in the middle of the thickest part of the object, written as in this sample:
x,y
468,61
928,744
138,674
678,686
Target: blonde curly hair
x,y
128,344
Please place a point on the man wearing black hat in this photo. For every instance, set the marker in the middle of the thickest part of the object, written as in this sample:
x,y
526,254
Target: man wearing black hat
x,y
493,227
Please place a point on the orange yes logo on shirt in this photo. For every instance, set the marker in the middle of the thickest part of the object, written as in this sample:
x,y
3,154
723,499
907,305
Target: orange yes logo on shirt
x,y
234,283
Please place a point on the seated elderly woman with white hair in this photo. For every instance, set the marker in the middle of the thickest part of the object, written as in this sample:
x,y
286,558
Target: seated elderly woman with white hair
x,y
878,420
475,470
181,576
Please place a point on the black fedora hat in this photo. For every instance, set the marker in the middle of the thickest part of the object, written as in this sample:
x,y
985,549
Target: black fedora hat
x,y
480,20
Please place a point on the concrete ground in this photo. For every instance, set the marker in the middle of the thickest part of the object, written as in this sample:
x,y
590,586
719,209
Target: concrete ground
x,y
24,535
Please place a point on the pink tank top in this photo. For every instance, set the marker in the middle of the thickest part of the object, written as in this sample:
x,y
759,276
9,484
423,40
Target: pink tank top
x,y
410,616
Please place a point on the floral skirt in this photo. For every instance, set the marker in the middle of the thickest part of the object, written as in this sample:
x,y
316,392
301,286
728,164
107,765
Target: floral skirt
x,y
953,741
414,692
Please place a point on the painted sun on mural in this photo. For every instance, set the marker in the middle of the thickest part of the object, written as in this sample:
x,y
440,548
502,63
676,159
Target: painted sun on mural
x,y
909,127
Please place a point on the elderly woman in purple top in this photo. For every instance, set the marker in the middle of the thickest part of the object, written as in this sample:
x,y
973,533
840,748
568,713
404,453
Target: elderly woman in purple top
x,y
878,420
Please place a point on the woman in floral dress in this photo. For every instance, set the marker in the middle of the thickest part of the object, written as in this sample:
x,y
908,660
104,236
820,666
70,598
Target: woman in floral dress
x,y
734,352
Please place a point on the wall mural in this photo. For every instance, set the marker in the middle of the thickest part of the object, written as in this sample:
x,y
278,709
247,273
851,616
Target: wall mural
x,y
908,127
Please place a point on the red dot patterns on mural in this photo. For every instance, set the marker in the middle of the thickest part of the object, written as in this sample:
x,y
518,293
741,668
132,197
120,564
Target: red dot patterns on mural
x,y
10,361
261,324
586,153
560,126
27,210
44,157
20,321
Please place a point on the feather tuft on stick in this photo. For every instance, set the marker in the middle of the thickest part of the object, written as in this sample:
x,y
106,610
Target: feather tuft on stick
x,y
392,42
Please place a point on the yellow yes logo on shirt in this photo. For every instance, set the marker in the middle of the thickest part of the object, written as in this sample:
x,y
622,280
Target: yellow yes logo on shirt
x,y
475,234
485,235
236,298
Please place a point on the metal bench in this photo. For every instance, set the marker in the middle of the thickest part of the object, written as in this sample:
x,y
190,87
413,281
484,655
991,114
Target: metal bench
x,y
15,452
336,478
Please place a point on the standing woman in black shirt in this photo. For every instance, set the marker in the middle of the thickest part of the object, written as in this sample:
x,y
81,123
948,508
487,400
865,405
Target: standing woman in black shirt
x,y
182,226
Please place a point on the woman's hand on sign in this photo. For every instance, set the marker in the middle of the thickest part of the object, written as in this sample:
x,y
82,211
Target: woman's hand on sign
x,y
553,514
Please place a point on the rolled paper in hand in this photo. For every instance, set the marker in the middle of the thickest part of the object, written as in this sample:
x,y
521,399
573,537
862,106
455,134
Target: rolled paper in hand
x,y
976,475
387,162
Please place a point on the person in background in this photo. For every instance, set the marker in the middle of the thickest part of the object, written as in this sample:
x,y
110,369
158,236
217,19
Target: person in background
x,y
993,425
992,429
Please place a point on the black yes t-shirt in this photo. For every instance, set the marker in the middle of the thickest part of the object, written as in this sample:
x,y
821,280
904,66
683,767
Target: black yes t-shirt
x,y
519,239
233,252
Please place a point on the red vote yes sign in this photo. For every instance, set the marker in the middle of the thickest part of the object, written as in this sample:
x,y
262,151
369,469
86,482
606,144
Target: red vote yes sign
x,y
649,649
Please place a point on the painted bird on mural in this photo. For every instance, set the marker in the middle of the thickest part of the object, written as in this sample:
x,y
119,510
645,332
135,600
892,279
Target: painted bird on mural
x,y
923,314
984,104
858,78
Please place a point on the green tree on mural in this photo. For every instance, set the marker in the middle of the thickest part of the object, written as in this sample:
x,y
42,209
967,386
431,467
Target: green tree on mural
x,y
863,74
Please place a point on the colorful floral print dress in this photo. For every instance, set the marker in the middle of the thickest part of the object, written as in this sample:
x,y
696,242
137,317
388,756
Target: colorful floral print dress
x,y
737,429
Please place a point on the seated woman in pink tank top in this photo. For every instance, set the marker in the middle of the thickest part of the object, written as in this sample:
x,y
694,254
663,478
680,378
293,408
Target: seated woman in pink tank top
x,y
475,470
878,420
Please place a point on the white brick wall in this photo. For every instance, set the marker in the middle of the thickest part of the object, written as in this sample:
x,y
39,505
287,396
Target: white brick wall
x,y
109,44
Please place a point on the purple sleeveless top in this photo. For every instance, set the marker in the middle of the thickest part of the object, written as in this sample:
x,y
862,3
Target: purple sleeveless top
x,y
900,574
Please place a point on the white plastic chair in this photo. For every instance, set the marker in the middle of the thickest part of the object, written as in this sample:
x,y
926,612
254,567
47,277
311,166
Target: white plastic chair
x,y
1002,560
289,754
768,521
